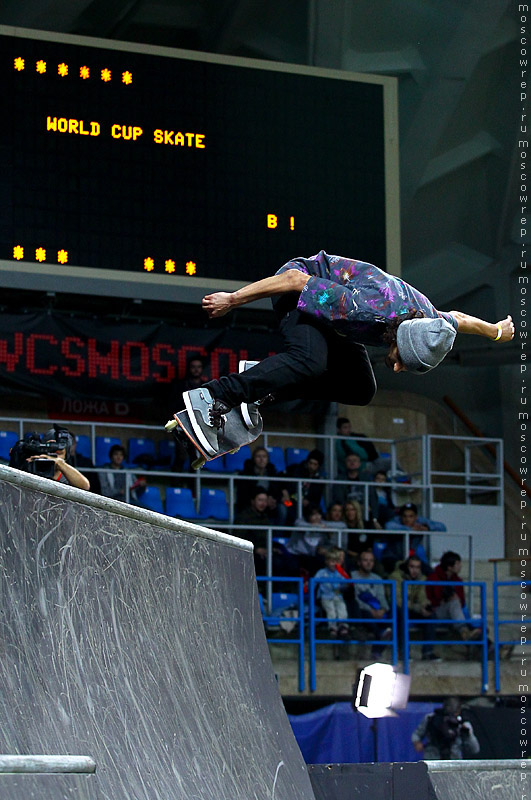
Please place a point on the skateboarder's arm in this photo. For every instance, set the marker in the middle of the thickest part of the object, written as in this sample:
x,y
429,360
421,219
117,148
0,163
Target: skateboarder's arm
x,y
468,324
220,303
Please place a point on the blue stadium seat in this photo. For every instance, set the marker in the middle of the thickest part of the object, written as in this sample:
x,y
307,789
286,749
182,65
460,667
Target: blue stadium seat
x,y
280,600
151,499
139,447
166,451
296,455
180,503
276,457
83,446
234,461
217,465
213,503
103,445
7,440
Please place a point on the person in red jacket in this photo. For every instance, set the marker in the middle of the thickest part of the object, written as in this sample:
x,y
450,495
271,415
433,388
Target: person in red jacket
x,y
448,601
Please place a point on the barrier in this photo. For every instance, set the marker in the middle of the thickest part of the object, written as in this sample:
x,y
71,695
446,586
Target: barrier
x,y
139,639
272,619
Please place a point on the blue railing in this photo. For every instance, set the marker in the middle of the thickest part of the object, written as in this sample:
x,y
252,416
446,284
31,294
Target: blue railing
x,y
482,641
271,619
315,620
497,622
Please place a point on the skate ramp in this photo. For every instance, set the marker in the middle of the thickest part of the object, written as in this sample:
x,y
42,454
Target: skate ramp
x,y
135,640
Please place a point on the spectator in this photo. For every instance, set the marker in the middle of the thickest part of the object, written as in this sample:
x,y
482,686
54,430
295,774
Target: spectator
x,y
354,474
347,445
309,545
334,517
419,607
408,520
310,469
448,601
79,461
113,484
447,735
356,541
64,472
330,594
195,374
260,466
381,505
256,514
371,600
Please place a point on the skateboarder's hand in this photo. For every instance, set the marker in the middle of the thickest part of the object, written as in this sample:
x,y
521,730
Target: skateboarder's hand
x,y
217,304
507,326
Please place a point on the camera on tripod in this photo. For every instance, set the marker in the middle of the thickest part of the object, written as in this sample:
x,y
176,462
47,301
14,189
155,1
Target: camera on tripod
x,y
35,444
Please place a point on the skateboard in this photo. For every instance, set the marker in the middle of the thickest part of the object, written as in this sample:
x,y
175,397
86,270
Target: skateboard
x,y
234,435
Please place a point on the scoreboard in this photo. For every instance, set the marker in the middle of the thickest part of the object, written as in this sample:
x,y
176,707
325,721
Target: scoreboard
x,y
163,169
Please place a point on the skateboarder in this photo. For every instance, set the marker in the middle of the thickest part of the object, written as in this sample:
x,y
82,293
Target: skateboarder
x,y
328,308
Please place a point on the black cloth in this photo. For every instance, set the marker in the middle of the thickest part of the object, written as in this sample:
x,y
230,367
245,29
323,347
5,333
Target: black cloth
x,y
317,364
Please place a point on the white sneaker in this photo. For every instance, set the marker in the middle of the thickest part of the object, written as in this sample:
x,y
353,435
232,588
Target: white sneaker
x,y
250,412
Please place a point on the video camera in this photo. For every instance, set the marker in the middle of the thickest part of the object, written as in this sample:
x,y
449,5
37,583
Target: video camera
x,y
35,444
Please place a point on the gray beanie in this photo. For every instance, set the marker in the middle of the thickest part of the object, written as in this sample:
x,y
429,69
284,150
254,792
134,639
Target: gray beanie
x,y
423,343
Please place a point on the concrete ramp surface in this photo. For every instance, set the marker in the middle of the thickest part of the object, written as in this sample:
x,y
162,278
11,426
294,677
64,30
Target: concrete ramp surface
x,y
135,640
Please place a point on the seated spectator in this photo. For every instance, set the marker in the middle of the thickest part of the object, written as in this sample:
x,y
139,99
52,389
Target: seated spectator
x,y
356,542
371,600
408,520
113,484
381,506
448,601
310,469
347,445
256,513
79,461
334,517
331,596
63,472
419,607
354,474
309,545
260,466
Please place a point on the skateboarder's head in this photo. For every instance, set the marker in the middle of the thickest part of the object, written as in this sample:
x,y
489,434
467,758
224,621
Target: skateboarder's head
x,y
417,343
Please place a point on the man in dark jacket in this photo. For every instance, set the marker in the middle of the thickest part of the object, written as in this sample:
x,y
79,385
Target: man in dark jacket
x,y
448,601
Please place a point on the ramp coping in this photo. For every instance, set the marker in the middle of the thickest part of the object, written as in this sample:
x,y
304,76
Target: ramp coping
x,y
47,764
37,483
474,764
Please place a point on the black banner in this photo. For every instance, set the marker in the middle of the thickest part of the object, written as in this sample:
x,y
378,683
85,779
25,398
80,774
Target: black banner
x,y
58,356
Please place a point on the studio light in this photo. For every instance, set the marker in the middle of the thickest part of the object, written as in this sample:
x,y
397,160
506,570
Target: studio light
x,y
380,690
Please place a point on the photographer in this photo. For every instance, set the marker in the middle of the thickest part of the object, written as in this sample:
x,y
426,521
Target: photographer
x,y
47,456
447,734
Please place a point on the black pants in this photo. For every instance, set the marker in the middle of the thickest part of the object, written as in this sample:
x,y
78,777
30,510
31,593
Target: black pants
x,y
317,364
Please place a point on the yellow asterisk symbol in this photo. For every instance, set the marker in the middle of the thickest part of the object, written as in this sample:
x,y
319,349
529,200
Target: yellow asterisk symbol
x,y
19,64
62,256
62,69
149,264
127,77
169,265
18,252
84,73
191,268
41,67
106,75
40,254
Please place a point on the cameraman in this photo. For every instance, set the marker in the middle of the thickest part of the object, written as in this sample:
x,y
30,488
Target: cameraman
x,y
448,736
55,447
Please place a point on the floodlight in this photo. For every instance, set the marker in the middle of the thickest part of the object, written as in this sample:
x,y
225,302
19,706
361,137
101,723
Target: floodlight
x,y
380,690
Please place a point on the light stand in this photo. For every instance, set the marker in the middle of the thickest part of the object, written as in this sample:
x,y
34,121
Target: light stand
x,y
380,690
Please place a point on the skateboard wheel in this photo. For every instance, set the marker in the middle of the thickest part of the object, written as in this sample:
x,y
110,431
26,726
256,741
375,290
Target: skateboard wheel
x,y
233,451
198,463
171,424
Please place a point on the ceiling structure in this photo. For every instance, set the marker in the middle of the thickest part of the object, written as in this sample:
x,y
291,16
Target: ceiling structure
x,y
457,66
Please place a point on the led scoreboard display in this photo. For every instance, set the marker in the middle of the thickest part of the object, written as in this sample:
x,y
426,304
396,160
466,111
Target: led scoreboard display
x,y
158,162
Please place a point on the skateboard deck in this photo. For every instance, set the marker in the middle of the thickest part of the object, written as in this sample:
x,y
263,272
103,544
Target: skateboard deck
x,y
234,435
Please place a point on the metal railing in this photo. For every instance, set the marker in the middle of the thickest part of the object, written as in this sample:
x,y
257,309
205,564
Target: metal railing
x,y
408,622
317,620
521,641
270,618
